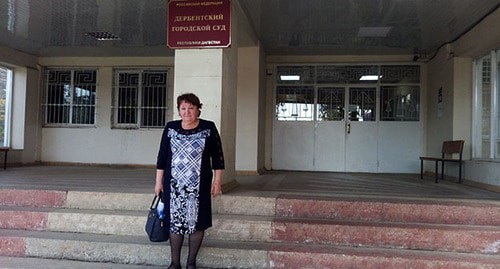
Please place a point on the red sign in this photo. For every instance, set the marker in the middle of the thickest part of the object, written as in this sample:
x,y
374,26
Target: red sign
x,y
199,24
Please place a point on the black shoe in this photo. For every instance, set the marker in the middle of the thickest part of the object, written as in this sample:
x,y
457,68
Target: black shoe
x,y
191,266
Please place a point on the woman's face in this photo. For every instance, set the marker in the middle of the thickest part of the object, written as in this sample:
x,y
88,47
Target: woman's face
x,y
188,112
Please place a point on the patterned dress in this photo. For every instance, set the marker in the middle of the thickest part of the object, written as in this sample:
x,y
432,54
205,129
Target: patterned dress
x,y
188,158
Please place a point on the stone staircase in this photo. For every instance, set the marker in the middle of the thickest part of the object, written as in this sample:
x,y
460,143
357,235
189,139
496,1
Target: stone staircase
x,y
288,231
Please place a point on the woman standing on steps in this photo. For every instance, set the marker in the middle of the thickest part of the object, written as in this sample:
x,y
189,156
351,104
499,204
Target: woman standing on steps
x,y
190,155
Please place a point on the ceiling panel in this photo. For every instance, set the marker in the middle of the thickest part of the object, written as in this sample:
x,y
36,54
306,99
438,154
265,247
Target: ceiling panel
x,y
307,27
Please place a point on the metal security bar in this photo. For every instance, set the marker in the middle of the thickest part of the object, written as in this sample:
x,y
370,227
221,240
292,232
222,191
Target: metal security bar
x,y
296,97
140,98
70,97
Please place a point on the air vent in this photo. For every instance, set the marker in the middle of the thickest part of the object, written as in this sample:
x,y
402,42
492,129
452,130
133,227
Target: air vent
x,y
373,31
101,36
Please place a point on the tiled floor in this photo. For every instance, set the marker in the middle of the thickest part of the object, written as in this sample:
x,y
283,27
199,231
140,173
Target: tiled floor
x,y
141,180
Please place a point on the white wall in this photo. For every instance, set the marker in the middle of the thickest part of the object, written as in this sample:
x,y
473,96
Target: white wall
x,y
439,121
101,144
247,124
452,69
462,105
15,58
25,128
32,130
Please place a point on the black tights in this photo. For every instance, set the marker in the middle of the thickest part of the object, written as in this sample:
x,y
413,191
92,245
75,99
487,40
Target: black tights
x,y
176,241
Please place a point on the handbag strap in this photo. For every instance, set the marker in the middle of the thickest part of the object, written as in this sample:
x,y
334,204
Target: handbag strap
x,y
154,203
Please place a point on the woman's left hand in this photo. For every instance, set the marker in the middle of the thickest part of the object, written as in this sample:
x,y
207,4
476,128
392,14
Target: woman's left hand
x,y
216,184
216,189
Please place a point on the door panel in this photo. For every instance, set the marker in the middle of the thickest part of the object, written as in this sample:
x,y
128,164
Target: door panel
x,y
361,147
329,146
361,131
345,134
293,145
400,144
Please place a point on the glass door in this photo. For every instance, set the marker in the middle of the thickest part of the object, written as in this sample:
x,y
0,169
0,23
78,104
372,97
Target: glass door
x,y
329,134
361,130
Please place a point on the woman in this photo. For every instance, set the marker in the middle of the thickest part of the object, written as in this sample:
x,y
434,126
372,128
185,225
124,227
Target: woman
x,y
190,149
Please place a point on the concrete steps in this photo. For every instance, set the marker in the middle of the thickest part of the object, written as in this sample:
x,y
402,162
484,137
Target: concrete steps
x,y
409,210
453,226
455,238
125,249
23,263
257,232
227,254
125,222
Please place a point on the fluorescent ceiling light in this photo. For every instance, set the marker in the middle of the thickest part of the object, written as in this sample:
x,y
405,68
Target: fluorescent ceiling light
x,y
370,77
373,31
290,77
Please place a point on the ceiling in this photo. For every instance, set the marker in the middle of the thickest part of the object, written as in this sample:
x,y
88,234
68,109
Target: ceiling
x,y
284,27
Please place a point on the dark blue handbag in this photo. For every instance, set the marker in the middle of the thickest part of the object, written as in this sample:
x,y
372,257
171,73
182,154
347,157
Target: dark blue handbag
x,y
157,228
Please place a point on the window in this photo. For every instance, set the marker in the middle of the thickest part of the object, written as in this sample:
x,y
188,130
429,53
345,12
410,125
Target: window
x,y
400,103
5,101
331,103
400,93
70,97
294,103
347,74
486,130
362,104
140,98
340,92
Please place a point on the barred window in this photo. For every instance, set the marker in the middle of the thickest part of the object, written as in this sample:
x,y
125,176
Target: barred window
x,y
70,97
140,98
294,103
400,103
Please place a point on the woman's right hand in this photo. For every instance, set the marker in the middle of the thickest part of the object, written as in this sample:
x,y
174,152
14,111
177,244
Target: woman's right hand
x,y
158,188
159,182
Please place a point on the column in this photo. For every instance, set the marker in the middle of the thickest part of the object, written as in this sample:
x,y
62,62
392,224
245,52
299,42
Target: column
x,y
211,74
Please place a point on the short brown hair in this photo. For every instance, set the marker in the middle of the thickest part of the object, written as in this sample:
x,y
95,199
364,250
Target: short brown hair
x,y
189,98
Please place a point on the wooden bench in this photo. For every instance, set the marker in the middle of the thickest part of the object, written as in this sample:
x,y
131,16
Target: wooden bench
x,y
5,150
449,148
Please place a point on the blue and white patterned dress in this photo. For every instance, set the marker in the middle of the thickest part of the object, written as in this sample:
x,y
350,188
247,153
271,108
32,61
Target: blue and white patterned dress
x,y
188,158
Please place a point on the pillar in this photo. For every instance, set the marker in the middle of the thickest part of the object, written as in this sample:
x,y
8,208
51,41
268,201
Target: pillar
x,y
211,74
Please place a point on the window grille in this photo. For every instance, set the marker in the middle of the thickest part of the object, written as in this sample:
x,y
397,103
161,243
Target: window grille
x,y
327,74
400,103
140,98
400,74
319,92
331,104
70,97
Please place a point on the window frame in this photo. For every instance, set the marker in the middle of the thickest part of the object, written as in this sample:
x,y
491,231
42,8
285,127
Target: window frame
x,y
8,106
348,76
139,95
493,137
72,103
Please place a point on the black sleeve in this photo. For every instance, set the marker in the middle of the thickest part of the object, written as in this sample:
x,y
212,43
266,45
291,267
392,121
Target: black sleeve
x,y
161,161
216,149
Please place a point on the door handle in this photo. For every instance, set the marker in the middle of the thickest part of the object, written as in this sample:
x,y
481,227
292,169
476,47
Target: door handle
x,y
348,128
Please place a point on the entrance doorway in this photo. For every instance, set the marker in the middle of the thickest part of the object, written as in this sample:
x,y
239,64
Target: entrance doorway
x,y
341,128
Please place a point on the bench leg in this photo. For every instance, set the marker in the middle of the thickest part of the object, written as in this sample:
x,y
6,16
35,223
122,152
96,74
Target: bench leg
x,y
437,172
460,172
442,170
5,160
421,169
